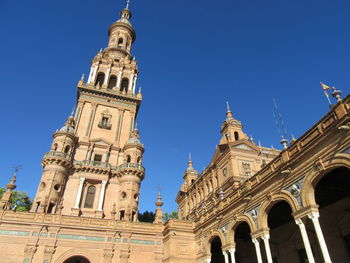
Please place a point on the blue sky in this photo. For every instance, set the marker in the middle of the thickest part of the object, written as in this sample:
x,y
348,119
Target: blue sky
x,y
193,56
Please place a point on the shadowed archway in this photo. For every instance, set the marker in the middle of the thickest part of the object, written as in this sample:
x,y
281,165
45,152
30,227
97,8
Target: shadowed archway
x,y
77,259
216,251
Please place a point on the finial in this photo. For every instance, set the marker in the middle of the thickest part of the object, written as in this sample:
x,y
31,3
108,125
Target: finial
x,y
127,4
259,143
189,160
82,77
135,126
284,142
251,138
140,88
228,106
293,138
337,94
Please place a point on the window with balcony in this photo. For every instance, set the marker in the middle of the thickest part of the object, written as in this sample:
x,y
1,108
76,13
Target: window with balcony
x,y
105,121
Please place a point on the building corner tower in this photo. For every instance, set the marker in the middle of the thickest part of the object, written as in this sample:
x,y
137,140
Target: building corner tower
x,y
94,167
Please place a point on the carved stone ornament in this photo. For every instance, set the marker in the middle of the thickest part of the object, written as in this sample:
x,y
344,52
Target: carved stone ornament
x,y
107,254
319,165
49,251
29,251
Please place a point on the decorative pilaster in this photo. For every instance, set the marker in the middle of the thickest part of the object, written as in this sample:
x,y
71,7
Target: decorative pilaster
x,y
108,255
80,190
29,252
48,253
305,238
314,217
102,195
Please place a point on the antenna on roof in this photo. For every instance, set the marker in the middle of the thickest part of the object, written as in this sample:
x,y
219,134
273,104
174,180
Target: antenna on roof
x,y
280,124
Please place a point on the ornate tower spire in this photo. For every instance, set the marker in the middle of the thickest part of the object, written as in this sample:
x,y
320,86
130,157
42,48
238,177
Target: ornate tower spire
x,y
159,212
5,202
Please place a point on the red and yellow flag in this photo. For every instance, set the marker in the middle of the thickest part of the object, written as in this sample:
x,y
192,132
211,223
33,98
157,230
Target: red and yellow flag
x,y
325,87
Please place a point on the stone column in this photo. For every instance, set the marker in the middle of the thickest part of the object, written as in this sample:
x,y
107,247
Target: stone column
x,y
80,190
306,242
257,249
314,217
131,83
93,77
119,81
134,85
232,254
266,238
105,82
225,256
102,195
91,73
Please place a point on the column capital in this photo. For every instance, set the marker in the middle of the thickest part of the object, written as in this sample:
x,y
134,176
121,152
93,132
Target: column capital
x,y
255,241
81,180
304,211
260,232
314,215
104,182
299,222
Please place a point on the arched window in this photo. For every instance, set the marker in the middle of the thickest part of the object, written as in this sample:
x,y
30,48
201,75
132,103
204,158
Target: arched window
x,y
120,41
128,159
54,147
139,160
66,149
90,196
125,84
112,82
100,79
236,136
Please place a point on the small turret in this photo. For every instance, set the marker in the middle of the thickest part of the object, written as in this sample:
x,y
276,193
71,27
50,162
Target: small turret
x,y
231,129
159,212
190,175
5,202
57,164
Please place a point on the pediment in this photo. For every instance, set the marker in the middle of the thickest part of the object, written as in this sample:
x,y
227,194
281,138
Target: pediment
x,y
243,147
100,141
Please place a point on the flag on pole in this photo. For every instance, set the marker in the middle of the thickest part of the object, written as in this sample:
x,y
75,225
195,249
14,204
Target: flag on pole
x,y
325,88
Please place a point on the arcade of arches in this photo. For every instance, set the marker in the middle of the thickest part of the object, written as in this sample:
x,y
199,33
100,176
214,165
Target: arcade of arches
x,y
309,235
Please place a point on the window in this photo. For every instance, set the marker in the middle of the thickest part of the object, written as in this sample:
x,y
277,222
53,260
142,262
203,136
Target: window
x,y
54,147
50,208
90,196
104,121
120,41
125,85
112,82
66,149
100,79
236,136
97,158
122,213
128,159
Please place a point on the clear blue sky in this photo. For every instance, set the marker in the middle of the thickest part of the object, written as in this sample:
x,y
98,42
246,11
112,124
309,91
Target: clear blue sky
x,y
193,56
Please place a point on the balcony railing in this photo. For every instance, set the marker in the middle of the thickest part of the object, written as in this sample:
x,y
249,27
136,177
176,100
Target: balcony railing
x,y
92,163
129,165
56,154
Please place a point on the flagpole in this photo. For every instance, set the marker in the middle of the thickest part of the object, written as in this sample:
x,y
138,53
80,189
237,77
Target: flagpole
x,y
327,96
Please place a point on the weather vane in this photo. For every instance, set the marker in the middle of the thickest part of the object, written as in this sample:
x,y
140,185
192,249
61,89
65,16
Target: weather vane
x,y
127,4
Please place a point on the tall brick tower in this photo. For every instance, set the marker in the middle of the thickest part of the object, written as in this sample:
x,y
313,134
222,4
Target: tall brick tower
x,y
94,167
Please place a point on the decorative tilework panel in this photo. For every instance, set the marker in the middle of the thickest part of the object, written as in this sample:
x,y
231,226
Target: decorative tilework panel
x,y
142,242
78,237
14,233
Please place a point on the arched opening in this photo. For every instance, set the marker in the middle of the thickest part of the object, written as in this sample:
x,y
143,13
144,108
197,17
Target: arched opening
x,y
128,159
100,79
236,136
77,259
90,196
112,82
120,42
125,85
54,147
139,160
50,208
66,149
332,194
245,251
216,251
285,239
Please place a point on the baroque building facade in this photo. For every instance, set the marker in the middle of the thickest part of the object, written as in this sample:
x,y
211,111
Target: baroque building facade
x,y
250,204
